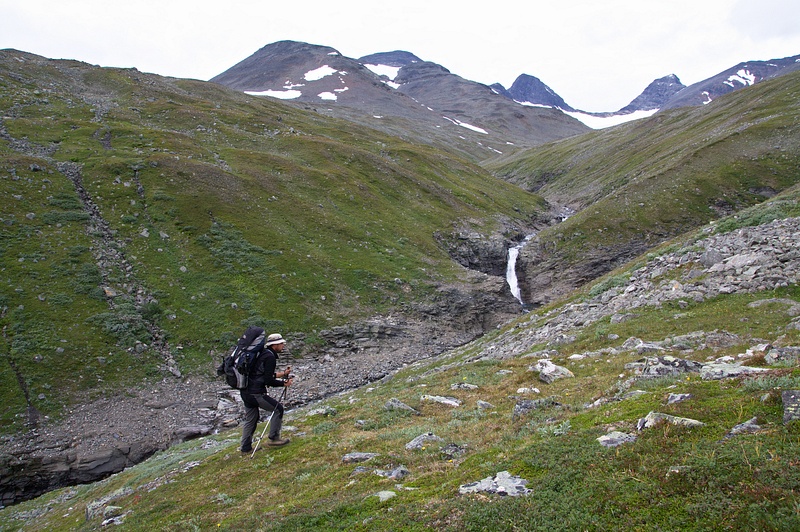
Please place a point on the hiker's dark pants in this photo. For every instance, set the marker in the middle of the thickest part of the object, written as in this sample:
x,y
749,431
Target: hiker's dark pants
x,y
252,403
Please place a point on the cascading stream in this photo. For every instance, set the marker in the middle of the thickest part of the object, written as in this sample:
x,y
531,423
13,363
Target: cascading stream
x,y
511,268
513,253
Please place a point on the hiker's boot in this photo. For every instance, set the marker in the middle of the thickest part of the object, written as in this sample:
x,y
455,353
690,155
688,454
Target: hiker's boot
x,y
277,442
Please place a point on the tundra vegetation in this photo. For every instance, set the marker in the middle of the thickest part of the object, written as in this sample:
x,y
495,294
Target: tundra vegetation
x,y
196,210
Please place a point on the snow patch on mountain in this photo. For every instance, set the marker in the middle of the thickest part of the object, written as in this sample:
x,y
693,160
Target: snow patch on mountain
x,y
281,95
388,72
530,104
602,122
384,70
290,92
331,96
744,77
321,72
465,125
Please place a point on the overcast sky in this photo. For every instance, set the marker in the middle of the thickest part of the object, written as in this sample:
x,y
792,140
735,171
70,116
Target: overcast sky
x,y
596,54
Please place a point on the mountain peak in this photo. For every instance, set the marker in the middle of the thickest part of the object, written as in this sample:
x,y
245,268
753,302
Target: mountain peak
x,y
268,65
655,95
530,90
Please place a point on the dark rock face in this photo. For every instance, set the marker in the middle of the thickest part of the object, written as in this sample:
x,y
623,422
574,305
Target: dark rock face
x,y
419,87
420,72
22,479
656,95
530,89
791,405
478,252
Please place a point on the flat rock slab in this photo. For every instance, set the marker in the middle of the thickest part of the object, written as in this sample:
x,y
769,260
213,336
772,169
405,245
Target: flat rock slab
x,y
503,483
420,441
654,418
449,401
528,405
616,438
355,458
748,427
712,372
385,495
550,372
397,404
398,473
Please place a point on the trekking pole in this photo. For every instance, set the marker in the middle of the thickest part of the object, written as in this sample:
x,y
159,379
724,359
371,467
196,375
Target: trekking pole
x,y
269,420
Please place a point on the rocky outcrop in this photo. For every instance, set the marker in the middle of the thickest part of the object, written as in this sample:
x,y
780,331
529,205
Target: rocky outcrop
x,y
654,418
503,483
104,436
747,260
550,372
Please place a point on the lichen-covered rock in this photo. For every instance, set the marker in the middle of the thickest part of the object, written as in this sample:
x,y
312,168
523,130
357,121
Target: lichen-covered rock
x,y
503,483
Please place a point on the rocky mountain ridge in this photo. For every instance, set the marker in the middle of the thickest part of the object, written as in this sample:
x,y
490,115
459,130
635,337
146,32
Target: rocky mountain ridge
x,y
284,70
379,90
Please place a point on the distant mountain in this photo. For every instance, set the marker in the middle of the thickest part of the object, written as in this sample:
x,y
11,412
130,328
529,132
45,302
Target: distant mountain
x,y
663,93
399,93
655,96
296,71
475,105
529,90
736,77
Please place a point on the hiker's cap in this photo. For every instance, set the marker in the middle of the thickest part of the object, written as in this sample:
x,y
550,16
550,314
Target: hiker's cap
x,y
274,339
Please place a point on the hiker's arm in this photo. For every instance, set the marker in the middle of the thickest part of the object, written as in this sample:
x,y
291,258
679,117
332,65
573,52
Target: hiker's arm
x,y
271,374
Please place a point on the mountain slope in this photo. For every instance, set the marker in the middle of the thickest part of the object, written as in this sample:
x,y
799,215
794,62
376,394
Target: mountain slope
x,y
663,93
150,219
641,183
473,104
739,76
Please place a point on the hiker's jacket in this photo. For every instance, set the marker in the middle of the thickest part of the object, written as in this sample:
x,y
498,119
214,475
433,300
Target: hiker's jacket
x,y
262,373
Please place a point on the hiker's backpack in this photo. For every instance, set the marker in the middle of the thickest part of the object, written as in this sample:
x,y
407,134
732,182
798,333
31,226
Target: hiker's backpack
x,y
236,365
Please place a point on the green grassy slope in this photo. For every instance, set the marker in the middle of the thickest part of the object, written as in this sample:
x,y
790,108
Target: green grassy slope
x,y
216,210
670,478
643,182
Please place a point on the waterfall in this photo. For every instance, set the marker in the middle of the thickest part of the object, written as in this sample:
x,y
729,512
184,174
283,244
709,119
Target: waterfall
x,y
511,268
513,252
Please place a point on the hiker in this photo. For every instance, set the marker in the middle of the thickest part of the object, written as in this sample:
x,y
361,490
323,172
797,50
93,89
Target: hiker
x,y
255,396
